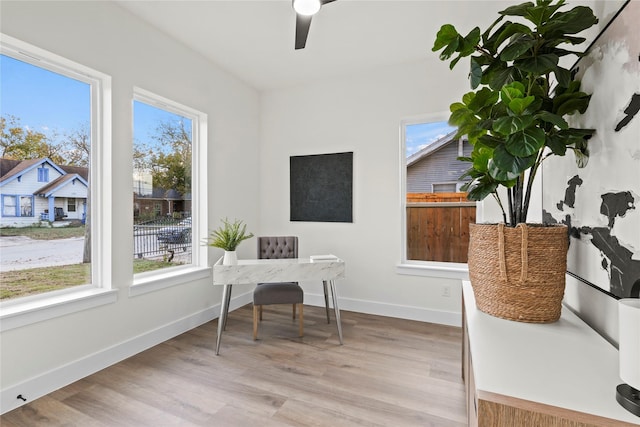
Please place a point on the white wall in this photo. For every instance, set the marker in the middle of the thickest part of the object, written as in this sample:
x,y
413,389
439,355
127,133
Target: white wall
x,y
250,140
360,113
104,37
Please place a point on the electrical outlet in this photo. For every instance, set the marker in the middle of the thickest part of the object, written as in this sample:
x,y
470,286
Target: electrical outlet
x,y
446,291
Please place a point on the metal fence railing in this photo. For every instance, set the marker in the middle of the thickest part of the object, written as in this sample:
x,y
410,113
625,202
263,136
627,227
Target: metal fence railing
x,y
164,238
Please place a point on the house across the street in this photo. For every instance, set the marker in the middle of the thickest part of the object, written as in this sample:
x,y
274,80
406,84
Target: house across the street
x,y
41,190
436,168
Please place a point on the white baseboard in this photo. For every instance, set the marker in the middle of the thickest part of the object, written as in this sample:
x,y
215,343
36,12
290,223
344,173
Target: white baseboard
x,y
421,314
53,380
64,375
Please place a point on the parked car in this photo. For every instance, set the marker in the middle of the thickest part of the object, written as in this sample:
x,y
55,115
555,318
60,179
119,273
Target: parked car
x,y
179,233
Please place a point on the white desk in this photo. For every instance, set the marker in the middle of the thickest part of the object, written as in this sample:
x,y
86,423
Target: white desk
x,y
250,271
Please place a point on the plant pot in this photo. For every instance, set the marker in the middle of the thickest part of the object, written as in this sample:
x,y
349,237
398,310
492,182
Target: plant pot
x,y
518,273
230,258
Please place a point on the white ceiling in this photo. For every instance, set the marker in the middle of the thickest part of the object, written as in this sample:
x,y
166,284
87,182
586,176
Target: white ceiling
x,y
254,40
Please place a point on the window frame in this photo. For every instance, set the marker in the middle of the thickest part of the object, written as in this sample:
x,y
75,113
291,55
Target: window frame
x,y
17,198
452,270
43,174
199,268
35,308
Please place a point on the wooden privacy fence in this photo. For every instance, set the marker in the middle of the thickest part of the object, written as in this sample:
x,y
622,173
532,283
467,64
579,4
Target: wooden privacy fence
x,y
438,226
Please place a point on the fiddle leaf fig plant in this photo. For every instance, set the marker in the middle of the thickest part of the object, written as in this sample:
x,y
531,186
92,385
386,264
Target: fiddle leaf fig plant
x,y
515,116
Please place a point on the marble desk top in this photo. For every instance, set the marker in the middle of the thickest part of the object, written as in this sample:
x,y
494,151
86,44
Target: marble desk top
x,y
249,271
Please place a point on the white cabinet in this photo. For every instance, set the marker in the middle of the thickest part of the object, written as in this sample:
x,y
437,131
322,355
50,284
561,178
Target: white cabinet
x,y
526,374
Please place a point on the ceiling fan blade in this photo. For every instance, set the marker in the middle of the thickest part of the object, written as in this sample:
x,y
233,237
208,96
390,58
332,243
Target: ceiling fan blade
x,y
302,30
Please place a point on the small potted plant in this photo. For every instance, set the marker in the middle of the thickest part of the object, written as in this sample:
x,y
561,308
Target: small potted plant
x,y
228,236
515,118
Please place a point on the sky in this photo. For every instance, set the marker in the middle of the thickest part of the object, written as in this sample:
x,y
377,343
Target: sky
x,y
48,102
420,135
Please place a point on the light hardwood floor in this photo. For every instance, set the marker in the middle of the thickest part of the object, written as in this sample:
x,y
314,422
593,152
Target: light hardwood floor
x,y
389,372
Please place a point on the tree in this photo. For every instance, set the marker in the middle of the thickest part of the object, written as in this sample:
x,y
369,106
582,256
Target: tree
x,y
171,169
21,143
77,146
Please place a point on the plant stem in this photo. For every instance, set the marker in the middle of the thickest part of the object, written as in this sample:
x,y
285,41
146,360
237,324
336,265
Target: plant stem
x,y
497,197
532,174
511,212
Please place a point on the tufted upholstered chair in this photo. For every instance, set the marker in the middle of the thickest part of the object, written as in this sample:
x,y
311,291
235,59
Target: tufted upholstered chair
x,y
277,293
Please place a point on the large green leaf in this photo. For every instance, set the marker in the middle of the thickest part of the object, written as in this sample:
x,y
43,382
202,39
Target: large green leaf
x,y
479,189
519,105
497,75
509,165
454,61
525,143
511,124
517,47
475,133
490,141
461,117
499,174
581,151
534,107
445,36
512,91
563,76
510,30
579,102
517,10
482,98
542,12
572,22
554,119
538,65
475,75
451,48
489,39
557,145
481,156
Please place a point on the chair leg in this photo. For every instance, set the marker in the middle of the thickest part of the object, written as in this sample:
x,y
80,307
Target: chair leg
x,y
255,321
260,312
294,311
301,320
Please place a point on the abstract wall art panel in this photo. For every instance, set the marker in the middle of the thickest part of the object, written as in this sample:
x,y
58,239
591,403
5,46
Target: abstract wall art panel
x,y
601,202
322,187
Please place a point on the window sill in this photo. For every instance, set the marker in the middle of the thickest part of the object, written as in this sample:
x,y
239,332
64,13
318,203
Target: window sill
x,y
447,270
144,283
32,309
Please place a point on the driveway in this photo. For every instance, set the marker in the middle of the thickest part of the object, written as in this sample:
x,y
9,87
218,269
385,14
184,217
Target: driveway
x,y
20,253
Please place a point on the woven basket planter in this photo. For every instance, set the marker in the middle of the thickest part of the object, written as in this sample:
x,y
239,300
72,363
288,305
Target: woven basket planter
x,y
519,273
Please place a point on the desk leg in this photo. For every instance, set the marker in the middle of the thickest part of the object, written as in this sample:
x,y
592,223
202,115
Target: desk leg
x,y
326,300
336,309
224,312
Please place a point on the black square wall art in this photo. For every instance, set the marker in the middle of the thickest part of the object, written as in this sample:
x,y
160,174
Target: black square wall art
x,y
322,187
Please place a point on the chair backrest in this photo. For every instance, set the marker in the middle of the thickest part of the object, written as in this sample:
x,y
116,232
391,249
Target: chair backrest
x,y
274,247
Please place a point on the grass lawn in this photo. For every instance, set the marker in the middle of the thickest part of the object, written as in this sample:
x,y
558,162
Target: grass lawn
x,y
43,233
21,283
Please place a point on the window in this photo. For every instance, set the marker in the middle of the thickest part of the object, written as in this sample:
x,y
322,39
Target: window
x,y
59,95
165,184
17,206
43,174
435,215
444,187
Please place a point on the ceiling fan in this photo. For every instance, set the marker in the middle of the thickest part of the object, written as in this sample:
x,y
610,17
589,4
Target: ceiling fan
x,y
305,9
